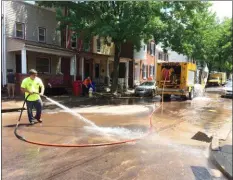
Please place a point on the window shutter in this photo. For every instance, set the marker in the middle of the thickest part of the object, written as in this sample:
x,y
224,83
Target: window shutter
x,y
148,47
151,47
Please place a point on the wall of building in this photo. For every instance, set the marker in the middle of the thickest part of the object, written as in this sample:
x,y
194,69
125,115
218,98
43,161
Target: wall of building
x,y
10,62
31,61
160,55
104,48
175,57
127,50
33,17
141,54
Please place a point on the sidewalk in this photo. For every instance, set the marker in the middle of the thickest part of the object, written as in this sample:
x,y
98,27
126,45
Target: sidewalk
x,y
11,104
17,103
67,100
221,150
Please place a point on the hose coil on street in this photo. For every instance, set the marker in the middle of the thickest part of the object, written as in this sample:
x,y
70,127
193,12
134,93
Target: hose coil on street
x,y
78,145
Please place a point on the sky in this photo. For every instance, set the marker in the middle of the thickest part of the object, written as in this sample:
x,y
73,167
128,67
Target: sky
x,y
222,8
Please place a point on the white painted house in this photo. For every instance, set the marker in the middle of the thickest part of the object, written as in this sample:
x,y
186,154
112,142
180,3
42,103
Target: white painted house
x,y
175,57
145,62
139,57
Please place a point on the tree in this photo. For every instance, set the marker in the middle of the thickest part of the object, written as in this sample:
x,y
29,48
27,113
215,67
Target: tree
x,y
123,21
185,27
184,24
217,47
224,62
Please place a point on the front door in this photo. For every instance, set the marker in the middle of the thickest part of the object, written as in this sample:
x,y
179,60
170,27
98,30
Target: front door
x,y
18,63
86,69
97,70
65,69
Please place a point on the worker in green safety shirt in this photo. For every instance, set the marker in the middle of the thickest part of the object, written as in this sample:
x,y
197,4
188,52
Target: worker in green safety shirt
x,y
31,85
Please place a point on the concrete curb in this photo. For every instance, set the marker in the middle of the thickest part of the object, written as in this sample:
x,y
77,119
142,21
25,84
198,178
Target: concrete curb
x,y
12,110
217,157
220,158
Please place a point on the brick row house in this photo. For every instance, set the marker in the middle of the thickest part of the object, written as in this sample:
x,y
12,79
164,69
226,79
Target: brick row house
x,y
145,62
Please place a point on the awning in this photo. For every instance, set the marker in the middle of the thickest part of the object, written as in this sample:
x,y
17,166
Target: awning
x,y
18,44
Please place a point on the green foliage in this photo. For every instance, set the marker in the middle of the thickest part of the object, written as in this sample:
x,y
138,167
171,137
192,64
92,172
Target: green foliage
x,y
187,27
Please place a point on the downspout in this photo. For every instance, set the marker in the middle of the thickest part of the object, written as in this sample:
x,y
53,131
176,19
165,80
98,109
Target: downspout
x,y
155,64
66,13
75,67
4,45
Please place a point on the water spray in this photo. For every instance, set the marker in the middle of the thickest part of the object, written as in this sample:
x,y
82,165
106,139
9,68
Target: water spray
x,y
84,120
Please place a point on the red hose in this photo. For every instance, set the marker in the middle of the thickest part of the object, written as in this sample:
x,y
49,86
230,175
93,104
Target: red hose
x,y
87,145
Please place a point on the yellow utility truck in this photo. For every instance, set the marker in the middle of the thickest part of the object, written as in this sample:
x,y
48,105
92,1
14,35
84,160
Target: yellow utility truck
x,y
175,78
217,78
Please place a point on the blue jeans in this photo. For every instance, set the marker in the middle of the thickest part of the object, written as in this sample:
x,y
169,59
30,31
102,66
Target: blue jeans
x,y
37,105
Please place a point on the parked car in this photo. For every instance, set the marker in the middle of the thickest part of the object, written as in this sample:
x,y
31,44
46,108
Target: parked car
x,y
227,90
147,88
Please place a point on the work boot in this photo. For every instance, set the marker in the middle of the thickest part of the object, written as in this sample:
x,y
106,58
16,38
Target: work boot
x,y
32,122
39,120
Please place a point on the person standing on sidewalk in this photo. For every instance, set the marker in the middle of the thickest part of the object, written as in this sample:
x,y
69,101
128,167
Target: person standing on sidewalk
x,y
85,85
31,85
10,83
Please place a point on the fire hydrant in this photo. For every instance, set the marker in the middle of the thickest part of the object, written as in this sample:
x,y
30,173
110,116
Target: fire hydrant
x,y
90,92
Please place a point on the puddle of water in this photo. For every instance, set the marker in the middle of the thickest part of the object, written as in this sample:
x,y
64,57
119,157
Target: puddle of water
x,y
119,132
179,147
107,131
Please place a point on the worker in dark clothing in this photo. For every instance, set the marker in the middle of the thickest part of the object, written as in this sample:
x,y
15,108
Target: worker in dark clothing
x,y
85,85
10,83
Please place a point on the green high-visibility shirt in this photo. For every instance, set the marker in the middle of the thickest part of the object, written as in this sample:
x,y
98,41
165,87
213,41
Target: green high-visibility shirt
x,y
32,86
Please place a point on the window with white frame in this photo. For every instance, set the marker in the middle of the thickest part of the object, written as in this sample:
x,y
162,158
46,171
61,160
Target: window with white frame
x,y
19,30
144,48
165,57
43,64
151,70
152,48
160,56
74,40
143,71
42,34
98,45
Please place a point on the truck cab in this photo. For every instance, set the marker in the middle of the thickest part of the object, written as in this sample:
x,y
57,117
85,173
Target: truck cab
x,y
176,79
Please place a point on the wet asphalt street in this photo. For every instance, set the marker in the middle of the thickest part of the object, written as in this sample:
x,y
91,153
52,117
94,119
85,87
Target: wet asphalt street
x,y
178,148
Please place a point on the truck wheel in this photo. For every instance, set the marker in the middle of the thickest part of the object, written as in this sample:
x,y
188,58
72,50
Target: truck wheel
x,y
191,94
166,97
183,98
